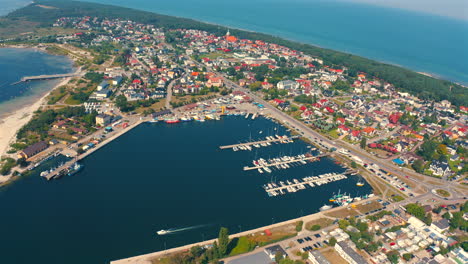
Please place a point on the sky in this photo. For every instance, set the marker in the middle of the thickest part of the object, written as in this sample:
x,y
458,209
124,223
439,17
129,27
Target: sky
x,y
450,8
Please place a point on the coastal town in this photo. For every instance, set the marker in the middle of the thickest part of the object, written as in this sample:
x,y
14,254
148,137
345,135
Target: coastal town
x,y
412,151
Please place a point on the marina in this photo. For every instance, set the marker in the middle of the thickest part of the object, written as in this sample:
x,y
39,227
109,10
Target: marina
x,y
274,189
261,143
97,191
283,162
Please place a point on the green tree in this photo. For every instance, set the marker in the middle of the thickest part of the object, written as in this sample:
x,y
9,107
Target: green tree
x,y
332,241
446,215
223,240
342,223
363,143
299,225
278,257
361,226
418,165
428,219
315,227
416,210
407,256
353,164
393,256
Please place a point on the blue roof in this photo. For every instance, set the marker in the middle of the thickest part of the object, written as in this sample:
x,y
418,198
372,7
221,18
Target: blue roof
x,y
399,161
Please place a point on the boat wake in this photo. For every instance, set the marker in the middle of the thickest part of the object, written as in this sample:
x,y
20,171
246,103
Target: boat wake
x,y
178,230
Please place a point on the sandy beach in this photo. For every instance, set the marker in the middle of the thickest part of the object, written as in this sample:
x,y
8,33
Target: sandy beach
x,y
10,124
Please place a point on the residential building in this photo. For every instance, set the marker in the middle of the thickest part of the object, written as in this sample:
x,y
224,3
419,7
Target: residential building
x,y
317,258
349,254
273,250
33,150
441,225
103,119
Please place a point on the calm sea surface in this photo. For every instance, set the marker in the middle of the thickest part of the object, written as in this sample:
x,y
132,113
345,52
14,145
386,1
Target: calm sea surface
x,y
17,63
157,176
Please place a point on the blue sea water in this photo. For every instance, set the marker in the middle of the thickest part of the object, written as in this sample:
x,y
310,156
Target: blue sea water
x,y
157,176
17,63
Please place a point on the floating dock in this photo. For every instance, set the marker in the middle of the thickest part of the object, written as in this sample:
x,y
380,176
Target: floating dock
x,y
283,162
266,142
274,189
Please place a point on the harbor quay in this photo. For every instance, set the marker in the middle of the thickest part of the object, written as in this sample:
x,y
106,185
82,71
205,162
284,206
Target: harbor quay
x,y
146,258
207,110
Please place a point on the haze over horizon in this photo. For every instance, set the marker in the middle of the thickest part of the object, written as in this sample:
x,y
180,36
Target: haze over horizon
x,y
457,9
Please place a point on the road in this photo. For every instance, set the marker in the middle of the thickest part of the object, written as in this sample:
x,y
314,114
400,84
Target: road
x,y
314,136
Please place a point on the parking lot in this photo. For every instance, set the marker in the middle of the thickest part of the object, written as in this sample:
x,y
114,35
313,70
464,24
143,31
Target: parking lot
x,y
311,242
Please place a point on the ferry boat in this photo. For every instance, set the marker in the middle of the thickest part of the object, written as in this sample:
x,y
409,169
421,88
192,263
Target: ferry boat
x,y
162,232
172,120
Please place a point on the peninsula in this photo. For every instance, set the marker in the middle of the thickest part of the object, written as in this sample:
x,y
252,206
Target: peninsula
x,y
402,132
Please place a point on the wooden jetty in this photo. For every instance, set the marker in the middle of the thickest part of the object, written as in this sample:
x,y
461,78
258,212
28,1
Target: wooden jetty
x,y
274,189
47,77
259,142
292,160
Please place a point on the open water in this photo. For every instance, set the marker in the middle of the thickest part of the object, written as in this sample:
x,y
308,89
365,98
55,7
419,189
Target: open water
x,y
157,176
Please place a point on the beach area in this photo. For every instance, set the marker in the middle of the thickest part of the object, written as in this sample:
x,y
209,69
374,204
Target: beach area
x,y
19,101
12,122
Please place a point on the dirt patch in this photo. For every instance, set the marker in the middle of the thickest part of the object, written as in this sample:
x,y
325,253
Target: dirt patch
x,y
276,234
331,255
342,213
322,222
364,208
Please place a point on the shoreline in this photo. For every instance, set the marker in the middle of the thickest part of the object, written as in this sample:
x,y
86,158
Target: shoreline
x,y
15,119
12,122
162,253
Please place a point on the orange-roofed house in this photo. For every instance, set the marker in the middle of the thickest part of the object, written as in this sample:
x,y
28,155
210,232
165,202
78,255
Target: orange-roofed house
x,y
231,38
370,131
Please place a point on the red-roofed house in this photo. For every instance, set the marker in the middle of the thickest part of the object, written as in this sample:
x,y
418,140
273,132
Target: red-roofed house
x,y
342,129
393,118
355,135
278,101
331,111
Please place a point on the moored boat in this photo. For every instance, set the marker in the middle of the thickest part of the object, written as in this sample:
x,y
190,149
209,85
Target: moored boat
x,y
171,120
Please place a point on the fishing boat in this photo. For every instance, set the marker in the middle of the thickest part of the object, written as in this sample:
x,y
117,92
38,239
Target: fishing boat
x,y
360,183
74,168
186,119
171,120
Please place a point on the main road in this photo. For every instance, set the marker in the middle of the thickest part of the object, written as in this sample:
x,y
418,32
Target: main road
x,y
312,135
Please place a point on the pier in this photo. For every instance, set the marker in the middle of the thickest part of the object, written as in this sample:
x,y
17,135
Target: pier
x,y
285,161
282,139
56,172
47,77
274,189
